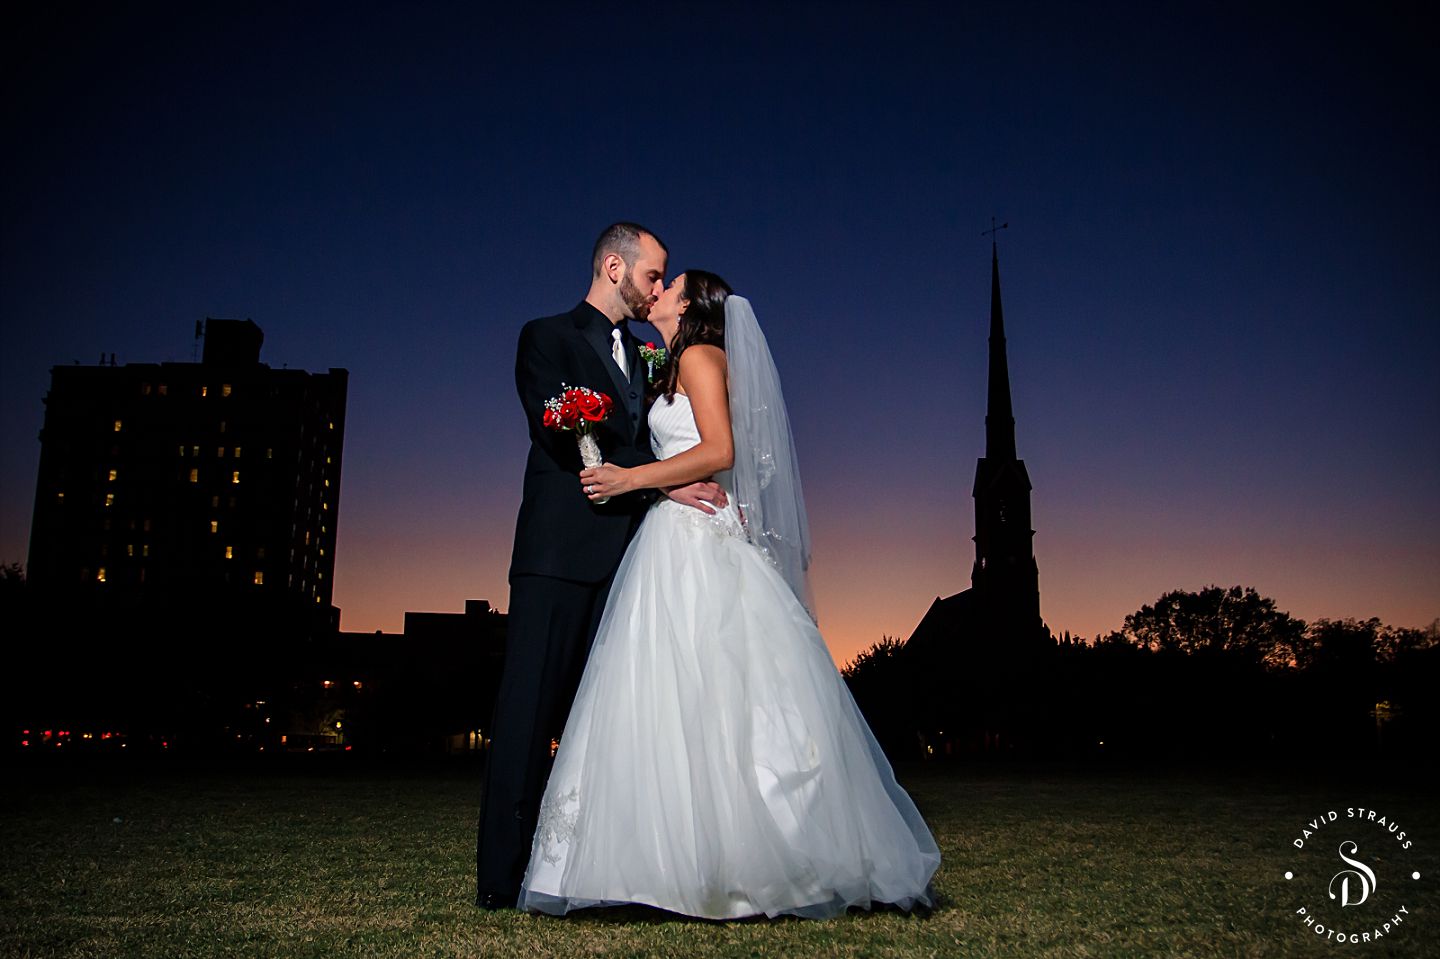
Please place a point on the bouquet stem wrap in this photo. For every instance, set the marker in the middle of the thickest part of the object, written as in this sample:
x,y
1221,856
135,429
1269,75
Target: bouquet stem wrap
x,y
590,456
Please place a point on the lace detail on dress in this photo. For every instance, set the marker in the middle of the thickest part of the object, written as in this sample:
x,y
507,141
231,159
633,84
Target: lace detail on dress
x,y
558,815
722,524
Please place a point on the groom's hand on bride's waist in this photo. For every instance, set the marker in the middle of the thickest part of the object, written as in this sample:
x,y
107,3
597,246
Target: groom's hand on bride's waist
x,y
704,496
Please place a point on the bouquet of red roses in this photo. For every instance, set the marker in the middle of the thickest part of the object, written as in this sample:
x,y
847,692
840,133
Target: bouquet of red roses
x,y
579,408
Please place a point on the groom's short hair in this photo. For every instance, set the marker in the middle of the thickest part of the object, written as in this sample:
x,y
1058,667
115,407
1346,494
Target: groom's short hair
x,y
622,239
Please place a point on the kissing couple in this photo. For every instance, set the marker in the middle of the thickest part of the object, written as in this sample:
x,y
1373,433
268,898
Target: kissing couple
x,y
711,760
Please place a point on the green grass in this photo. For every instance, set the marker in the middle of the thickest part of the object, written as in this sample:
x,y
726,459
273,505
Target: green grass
x,y
241,861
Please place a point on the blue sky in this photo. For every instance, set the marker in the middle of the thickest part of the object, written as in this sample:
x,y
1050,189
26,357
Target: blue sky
x,y
1219,278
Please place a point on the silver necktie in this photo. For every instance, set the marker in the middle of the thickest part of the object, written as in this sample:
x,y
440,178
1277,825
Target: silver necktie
x,y
617,350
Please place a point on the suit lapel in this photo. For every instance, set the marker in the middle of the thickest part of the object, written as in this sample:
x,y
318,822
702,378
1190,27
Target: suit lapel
x,y
637,365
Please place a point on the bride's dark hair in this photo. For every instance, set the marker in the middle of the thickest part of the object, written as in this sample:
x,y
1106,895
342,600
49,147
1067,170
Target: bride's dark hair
x,y
702,322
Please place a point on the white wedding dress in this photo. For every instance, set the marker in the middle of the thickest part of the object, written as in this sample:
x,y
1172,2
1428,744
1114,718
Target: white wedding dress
x,y
714,763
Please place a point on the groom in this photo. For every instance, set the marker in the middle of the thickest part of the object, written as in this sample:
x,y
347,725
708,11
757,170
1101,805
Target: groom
x,y
566,548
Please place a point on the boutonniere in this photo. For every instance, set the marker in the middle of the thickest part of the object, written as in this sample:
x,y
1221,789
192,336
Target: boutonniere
x,y
653,356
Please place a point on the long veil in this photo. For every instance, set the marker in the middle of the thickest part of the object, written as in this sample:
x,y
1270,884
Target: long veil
x,y
766,475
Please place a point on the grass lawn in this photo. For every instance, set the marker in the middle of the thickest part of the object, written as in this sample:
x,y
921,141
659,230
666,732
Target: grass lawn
x,y
340,858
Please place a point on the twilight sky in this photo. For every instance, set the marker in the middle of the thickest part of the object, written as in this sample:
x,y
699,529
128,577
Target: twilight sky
x,y
1221,286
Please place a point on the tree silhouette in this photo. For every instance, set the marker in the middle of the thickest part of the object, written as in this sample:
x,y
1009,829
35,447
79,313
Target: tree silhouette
x,y
1237,621
1216,672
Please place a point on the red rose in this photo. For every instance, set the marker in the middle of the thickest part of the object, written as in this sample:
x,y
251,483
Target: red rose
x,y
591,406
649,346
550,420
569,415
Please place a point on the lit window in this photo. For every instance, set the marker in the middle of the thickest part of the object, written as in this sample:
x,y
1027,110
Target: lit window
x,y
322,551
204,391
109,499
129,549
324,505
112,475
162,389
307,537
117,426
327,461
269,452
317,599
259,578
214,526
235,477
60,497
194,476
145,549
182,449
145,389
225,389
319,575
220,452
222,426
327,483
229,552
194,451
332,424
237,452
324,529
100,575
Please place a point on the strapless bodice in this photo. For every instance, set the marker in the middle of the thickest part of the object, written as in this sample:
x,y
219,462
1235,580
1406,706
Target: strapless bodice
x,y
672,432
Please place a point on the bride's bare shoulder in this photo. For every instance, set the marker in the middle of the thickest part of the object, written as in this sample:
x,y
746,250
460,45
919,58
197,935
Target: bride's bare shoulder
x,y
702,369
702,355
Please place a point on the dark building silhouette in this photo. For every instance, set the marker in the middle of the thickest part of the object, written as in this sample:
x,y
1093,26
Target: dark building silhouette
x,y
160,480
431,688
1003,601
183,544
979,660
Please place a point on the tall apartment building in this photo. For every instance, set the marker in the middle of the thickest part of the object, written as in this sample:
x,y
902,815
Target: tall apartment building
x,y
185,483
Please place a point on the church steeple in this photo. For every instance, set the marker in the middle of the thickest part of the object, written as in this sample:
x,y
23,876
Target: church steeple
x,y
999,416
1005,576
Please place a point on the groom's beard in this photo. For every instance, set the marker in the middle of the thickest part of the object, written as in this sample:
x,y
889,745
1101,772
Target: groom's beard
x,y
638,302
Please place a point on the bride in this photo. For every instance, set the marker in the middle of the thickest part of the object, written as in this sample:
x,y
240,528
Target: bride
x,y
714,763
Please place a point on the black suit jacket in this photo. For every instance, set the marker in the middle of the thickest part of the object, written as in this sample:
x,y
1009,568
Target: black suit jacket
x,y
559,532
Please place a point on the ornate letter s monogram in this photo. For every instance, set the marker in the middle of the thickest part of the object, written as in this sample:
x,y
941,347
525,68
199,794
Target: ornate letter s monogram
x,y
1361,872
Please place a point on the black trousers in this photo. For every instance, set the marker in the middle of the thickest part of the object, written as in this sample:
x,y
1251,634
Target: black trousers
x,y
550,627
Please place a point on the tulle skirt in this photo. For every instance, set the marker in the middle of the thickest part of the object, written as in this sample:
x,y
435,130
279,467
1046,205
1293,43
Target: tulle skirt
x,y
714,763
